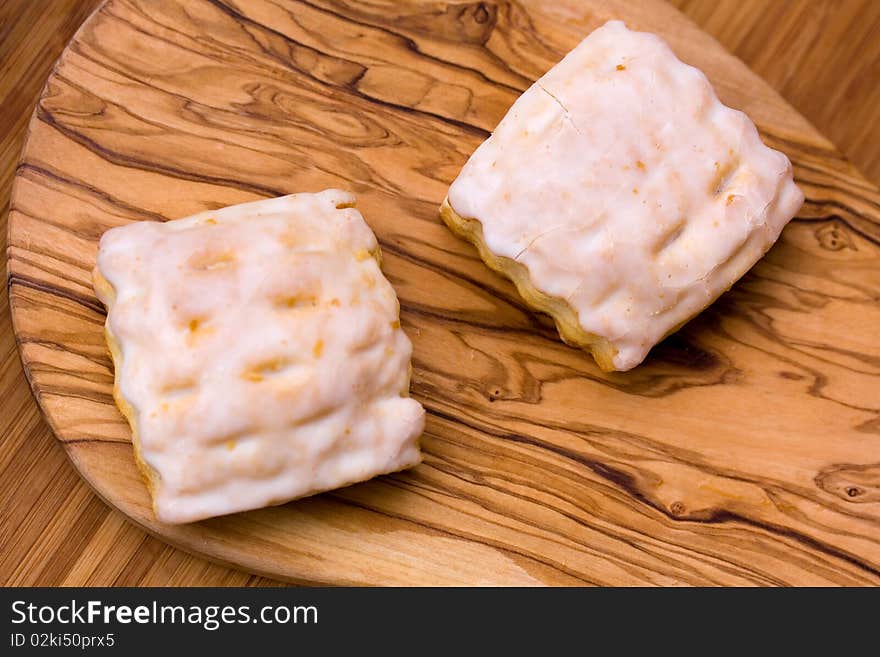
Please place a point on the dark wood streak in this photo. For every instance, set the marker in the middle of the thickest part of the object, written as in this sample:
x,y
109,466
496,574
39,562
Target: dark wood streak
x,y
412,46
578,519
625,481
128,210
583,431
90,303
535,485
820,380
131,162
481,132
872,234
589,433
209,179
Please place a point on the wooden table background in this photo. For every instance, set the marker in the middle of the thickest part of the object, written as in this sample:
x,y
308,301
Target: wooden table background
x,y
823,56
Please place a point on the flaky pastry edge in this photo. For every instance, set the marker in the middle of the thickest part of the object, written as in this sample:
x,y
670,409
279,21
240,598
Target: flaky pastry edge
x,y
563,315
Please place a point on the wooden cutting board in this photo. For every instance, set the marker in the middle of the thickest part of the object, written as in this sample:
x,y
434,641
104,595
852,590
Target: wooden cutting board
x,y
744,451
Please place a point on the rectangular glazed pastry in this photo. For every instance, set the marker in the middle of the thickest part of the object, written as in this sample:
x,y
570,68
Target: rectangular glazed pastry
x,y
621,196
258,353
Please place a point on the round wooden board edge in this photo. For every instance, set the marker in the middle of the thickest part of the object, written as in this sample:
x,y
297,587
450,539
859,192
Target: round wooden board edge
x,y
178,536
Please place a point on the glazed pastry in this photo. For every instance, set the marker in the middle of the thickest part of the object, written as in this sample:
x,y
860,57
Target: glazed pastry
x,y
621,196
258,354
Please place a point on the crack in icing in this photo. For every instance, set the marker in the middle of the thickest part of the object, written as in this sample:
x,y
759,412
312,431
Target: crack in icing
x,y
659,196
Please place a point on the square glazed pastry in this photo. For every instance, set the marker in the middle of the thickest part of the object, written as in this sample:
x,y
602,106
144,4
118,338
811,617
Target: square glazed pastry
x,y
258,354
621,196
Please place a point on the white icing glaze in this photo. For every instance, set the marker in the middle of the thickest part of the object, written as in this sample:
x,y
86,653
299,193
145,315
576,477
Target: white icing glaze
x,y
627,189
261,352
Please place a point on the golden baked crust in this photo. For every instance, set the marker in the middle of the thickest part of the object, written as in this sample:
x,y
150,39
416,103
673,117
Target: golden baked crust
x,y
105,291
563,315
558,309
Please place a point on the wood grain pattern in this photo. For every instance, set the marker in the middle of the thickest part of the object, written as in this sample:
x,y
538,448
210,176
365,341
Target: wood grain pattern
x,y
744,451
823,56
